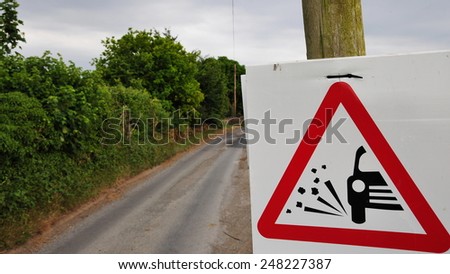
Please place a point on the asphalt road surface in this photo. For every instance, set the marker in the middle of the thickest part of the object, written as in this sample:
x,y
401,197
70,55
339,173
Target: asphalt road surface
x,y
177,210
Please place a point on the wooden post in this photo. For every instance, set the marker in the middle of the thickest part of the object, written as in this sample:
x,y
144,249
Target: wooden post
x,y
333,28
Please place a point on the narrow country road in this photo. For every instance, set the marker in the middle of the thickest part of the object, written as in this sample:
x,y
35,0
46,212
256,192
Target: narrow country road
x,y
178,210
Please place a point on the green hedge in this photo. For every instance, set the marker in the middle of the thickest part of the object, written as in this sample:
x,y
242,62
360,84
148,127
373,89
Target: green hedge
x,y
53,156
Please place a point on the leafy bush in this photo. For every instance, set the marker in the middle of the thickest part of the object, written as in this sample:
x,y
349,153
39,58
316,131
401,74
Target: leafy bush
x,y
22,122
53,118
73,100
156,62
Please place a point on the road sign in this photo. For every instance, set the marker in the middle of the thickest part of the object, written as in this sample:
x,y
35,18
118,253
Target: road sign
x,y
362,189
351,175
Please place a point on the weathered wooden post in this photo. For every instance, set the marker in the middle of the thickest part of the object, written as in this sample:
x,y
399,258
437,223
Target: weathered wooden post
x,y
333,28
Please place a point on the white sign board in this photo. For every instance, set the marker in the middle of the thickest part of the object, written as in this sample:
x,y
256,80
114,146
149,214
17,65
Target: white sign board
x,y
350,155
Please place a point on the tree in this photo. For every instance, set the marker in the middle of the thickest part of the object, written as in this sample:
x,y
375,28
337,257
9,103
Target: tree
x,y
213,83
10,35
154,61
333,28
228,69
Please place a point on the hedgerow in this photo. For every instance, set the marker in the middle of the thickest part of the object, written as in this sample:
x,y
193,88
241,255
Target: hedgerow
x,y
52,132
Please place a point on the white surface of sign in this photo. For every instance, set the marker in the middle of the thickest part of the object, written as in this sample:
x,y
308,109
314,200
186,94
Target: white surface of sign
x,y
348,164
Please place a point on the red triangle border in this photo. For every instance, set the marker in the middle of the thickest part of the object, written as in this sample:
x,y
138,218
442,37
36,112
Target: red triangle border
x,y
436,239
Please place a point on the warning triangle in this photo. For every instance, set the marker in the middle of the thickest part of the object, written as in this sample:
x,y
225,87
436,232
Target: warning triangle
x,y
436,238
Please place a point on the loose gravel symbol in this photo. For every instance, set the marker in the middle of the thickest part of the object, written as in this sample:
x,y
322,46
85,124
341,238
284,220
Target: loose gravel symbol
x,y
363,191
315,191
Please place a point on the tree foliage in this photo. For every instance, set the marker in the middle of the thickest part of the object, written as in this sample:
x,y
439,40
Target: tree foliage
x,y
228,69
73,100
22,122
213,83
51,132
154,61
10,35
216,77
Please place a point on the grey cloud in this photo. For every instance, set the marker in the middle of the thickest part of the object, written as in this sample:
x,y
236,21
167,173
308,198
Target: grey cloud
x,y
266,31
406,26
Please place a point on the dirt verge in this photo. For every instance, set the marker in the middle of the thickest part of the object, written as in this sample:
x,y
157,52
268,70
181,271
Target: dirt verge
x,y
235,222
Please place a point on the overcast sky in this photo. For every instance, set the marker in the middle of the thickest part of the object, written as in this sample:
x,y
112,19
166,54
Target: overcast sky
x,y
265,31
